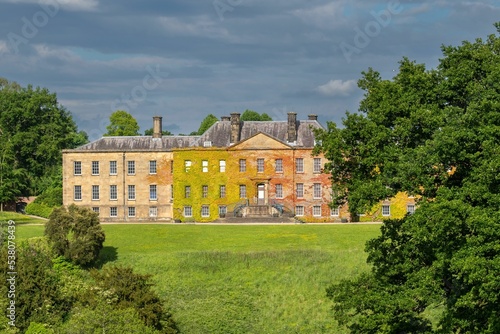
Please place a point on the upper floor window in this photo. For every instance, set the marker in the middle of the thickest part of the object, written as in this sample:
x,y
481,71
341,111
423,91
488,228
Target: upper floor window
x,y
153,195
77,167
279,166
187,165
204,191
260,165
243,191
279,191
410,208
299,165
77,193
95,193
204,166
131,167
243,165
299,190
131,192
317,165
113,170
222,191
187,191
95,167
222,166
152,167
113,192
317,190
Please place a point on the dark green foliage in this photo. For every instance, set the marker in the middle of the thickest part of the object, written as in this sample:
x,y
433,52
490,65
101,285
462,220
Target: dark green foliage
x,y
34,128
250,115
206,124
435,134
149,132
132,290
75,233
38,296
38,209
51,197
121,123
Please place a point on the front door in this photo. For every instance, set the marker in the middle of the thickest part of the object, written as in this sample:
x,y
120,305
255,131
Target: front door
x,y
261,194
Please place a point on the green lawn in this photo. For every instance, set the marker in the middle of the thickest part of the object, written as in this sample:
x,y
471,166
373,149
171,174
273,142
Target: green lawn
x,y
19,218
241,279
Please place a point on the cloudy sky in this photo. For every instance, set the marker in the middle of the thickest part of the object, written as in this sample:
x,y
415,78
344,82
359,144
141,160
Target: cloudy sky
x,y
184,59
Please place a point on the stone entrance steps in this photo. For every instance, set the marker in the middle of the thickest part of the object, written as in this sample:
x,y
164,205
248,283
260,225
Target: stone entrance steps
x,y
256,220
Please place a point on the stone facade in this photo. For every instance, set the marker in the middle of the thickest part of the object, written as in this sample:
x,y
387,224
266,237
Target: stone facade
x,y
261,166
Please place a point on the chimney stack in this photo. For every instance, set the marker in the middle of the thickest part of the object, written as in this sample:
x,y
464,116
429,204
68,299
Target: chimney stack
x,y
157,131
225,118
235,127
292,127
312,117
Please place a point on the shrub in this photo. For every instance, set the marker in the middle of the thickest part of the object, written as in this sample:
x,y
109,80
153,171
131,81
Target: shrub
x,y
76,234
40,210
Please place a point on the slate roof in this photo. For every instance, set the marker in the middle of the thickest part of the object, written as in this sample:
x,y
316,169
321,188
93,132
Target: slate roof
x,y
218,134
139,143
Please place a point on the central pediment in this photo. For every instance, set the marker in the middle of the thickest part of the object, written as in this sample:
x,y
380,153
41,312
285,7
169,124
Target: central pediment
x,y
260,141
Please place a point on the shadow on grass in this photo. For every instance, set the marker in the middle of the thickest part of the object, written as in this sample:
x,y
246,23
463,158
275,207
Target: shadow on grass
x,y
107,254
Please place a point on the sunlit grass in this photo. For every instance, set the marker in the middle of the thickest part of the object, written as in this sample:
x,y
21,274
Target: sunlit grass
x,y
241,279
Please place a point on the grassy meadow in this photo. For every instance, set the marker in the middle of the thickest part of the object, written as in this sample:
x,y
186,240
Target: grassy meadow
x,y
241,279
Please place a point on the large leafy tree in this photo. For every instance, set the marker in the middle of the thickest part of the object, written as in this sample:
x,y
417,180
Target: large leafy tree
x,y
34,128
121,123
434,134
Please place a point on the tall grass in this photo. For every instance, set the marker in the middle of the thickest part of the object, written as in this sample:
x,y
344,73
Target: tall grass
x,y
242,279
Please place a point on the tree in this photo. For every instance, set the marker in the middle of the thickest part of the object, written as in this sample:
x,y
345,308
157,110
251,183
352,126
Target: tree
x,y
34,128
206,124
121,123
433,134
149,132
250,115
76,234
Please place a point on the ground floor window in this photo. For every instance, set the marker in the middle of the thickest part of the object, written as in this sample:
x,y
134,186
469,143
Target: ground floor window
x,y
153,211
95,209
299,210
334,212
386,210
113,211
131,211
317,210
410,208
188,211
222,210
205,211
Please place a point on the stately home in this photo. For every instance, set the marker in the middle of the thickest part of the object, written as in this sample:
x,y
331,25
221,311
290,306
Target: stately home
x,y
235,169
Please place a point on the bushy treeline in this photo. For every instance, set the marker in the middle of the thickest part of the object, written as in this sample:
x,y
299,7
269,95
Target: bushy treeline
x,y
434,134
59,290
